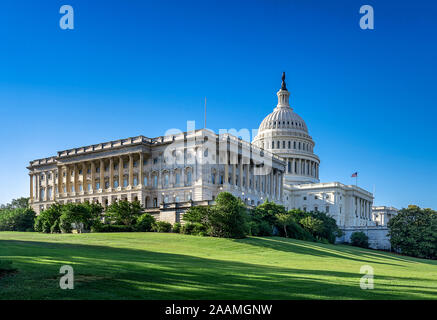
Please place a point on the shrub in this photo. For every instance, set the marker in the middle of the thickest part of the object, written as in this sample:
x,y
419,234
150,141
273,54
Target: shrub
x,y
194,228
112,228
359,239
177,228
145,223
162,226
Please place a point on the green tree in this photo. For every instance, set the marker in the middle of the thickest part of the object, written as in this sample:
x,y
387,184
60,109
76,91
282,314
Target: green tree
x,y
312,225
228,217
124,212
197,214
47,218
20,203
19,219
80,215
414,232
284,220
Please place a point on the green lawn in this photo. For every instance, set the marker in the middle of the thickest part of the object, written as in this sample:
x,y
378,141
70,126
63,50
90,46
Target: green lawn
x,y
174,266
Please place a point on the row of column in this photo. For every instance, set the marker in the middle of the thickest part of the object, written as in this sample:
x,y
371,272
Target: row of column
x,y
270,183
364,208
303,167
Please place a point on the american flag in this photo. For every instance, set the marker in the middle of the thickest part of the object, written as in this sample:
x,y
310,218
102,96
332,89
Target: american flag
x,y
355,174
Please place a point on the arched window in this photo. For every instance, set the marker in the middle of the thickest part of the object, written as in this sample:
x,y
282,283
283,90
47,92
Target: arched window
x,y
155,181
273,144
145,181
283,144
294,145
278,144
289,144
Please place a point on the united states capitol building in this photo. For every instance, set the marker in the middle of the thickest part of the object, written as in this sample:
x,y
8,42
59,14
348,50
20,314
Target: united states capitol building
x,y
171,173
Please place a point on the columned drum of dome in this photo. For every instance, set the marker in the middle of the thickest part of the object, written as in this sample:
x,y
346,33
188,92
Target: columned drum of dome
x,y
284,133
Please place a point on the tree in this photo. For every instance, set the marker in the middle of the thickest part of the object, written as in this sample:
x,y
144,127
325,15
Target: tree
x,y
82,216
19,219
124,212
20,203
414,232
267,211
284,220
197,214
312,225
47,218
228,217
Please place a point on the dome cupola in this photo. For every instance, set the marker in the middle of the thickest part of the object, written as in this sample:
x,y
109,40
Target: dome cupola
x,y
284,133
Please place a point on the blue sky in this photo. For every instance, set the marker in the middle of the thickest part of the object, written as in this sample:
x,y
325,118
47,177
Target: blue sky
x,y
139,67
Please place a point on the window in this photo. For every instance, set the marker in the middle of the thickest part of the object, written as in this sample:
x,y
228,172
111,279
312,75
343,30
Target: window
x,y
278,144
155,160
80,188
88,171
283,144
294,144
316,209
97,185
135,164
155,202
212,178
304,198
221,179
289,144
316,197
177,199
144,162
273,144
189,178
145,181
166,199
98,169
106,184
125,182
125,165
135,181
116,183
72,188
166,180
155,181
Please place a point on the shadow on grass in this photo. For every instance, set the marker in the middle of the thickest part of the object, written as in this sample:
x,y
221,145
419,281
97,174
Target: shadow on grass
x,y
122,273
328,251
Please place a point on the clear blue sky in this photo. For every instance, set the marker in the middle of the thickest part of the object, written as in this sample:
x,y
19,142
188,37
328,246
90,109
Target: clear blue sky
x,y
139,67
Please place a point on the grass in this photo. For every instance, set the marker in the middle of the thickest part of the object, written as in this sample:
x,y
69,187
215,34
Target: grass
x,y
174,266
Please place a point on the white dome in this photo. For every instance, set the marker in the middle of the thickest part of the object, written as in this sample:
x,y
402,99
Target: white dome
x,y
283,118
284,133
